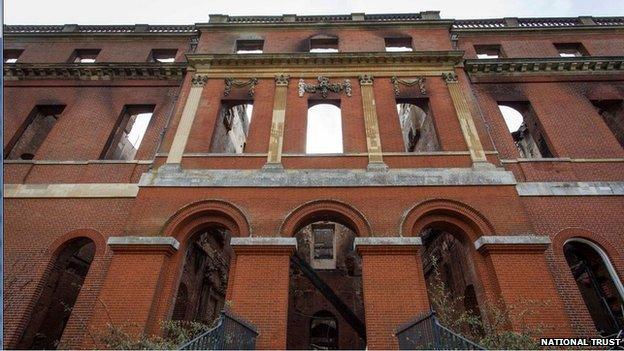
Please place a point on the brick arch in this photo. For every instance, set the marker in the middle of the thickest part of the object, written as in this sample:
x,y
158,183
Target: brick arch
x,y
332,210
574,304
197,215
452,212
62,241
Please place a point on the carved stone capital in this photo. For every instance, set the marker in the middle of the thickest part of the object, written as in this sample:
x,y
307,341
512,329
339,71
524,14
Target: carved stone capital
x,y
282,80
450,77
366,79
199,80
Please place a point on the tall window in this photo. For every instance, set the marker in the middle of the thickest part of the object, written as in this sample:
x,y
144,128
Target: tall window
x,y
84,55
398,44
131,127
525,129
255,46
417,126
33,132
323,44
60,292
324,131
232,128
598,284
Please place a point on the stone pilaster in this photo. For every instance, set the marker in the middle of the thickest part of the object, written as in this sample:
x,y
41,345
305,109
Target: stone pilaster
x,y
186,122
465,119
373,140
274,158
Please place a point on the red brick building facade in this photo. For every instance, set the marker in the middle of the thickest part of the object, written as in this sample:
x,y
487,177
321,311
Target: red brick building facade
x,y
141,187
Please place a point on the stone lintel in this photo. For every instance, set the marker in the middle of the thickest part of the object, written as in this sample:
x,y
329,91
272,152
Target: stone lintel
x,y
143,243
511,240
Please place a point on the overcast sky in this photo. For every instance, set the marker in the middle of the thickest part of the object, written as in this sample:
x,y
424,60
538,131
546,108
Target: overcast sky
x,y
194,11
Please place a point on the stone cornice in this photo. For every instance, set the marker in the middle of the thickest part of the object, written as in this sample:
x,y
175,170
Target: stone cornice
x,y
289,60
98,30
550,65
537,24
94,71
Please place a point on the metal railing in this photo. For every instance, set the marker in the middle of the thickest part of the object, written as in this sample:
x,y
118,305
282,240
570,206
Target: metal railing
x,y
426,333
230,333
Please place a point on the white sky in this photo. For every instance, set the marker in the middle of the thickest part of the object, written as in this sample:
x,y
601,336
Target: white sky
x,y
512,117
324,130
194,11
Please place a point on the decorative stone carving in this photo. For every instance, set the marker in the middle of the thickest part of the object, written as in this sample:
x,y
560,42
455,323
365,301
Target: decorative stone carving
x,y
281,80
366,79
199,80
324,87
396,81
231,82
450,77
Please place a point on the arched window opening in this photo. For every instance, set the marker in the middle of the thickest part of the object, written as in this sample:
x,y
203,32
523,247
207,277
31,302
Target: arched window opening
x,y
417,126
525,130
62,287
201,294
325,262
324,130
323,331
232,128
449,273
598,284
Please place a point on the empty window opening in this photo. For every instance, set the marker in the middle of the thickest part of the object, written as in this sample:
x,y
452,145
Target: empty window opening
x,y
33,132
84,55
323,44
61,289
321,288
488,51
398,44
612,111
601,290
163,55
232,128
201,293
11,55
131,127
525,130
417,127
449,270
249,46
324,130
323,331
571,49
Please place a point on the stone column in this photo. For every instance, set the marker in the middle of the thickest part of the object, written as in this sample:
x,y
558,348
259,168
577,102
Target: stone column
x,y
186,121
258,286
465,119
373,140
526,285
274,158
133,281
394,286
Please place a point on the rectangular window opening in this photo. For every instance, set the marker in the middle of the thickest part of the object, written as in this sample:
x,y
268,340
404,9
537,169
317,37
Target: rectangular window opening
x,y
255,46
612,112
488,51
33,132
232,128
571,49
11,55
400,44
84,55
324,44
323,240
163,55
417,125
126,139
525,129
